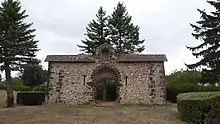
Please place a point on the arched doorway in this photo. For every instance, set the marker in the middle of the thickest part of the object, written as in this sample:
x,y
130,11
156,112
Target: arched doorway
x,y
106,80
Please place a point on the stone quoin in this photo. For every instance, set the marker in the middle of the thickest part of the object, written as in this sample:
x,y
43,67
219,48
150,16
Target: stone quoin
x,y
139,77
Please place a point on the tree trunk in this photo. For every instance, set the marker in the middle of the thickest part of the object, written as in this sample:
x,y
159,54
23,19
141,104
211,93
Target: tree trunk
x,y
9,87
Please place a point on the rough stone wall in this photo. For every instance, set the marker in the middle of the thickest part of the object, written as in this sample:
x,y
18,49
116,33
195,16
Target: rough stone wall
x,y
145,83
67,83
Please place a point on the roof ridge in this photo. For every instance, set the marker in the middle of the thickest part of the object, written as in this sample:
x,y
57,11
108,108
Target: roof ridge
x,y
121,57
144,54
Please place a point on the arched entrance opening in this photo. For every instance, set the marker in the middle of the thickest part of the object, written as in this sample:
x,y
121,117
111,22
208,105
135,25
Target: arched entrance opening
x,y
106,80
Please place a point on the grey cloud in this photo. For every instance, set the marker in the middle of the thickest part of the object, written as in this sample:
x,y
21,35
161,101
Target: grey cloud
x,y
164,24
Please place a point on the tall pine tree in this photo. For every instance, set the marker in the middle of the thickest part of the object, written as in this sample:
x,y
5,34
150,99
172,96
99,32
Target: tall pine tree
x,y
124,35
208,31
96,33
17,44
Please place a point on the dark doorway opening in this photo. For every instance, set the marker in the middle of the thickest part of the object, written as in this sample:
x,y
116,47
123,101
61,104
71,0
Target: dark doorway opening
x,y
106,90
106,84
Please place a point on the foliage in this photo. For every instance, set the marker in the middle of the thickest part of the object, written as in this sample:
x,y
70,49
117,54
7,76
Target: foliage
x,y
34,75
17,41
184,76
18,85
199,107
2,87
181,81
97,33
207,30
174,89
17,44
124,35
117,30
30,98
184,81
22,88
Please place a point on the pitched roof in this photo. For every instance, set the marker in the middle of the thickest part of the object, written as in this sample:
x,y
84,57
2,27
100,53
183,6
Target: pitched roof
x,y
141,57
120,58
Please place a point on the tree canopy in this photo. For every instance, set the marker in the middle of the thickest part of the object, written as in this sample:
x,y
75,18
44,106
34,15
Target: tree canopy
x,y
116,29
208,32
184,77
34,75
124,35
17,43
96,33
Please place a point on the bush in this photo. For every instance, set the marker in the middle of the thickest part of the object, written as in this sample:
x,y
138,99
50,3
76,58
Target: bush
x,y
18,85
27,88
39,88
199,107
22,88
30,98
177,88
2,87
174,89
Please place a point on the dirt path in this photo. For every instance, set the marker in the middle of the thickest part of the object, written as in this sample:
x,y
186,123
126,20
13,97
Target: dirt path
x,y
88,114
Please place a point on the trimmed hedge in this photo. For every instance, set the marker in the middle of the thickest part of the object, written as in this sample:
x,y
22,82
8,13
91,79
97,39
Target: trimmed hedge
x,y
30,98
199,107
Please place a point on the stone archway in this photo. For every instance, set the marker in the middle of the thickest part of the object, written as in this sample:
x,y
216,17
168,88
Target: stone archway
x,y
106,71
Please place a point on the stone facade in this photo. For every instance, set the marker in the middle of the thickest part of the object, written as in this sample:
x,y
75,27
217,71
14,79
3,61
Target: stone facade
x,y
140,78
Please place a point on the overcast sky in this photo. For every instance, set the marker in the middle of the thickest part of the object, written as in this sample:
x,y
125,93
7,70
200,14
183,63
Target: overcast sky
x,y
60,25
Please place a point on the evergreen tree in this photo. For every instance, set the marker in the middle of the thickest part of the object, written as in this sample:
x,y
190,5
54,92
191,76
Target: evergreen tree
x,y
208,31
96,33
124,35
17,44
34,75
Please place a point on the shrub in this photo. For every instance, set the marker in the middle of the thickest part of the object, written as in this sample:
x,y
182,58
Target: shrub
x,y
2,87
39,88
28,88
18,85
30,98
177,88
208,88
22,88
199,107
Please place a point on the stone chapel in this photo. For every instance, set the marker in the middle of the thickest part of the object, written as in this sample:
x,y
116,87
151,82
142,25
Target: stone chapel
x,y
139,77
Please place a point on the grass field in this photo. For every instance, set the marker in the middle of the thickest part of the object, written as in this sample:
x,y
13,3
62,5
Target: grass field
x,y
89,114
